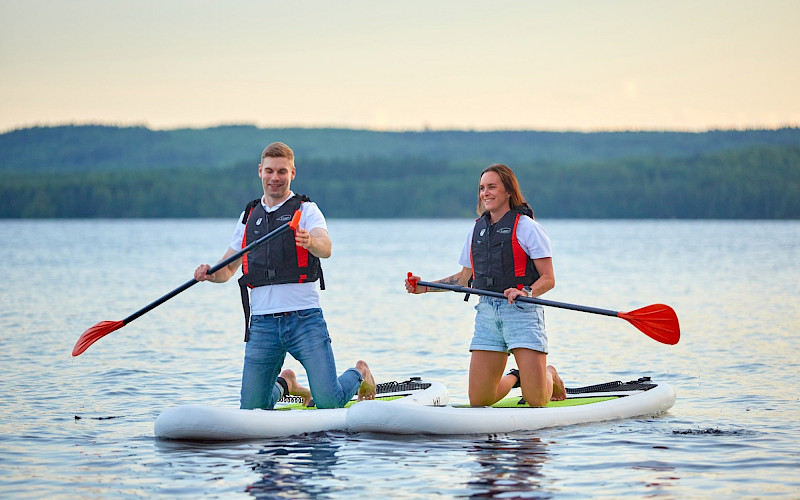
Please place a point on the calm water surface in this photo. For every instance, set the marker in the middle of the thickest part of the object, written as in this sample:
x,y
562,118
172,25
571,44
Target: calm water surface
x,y
83,427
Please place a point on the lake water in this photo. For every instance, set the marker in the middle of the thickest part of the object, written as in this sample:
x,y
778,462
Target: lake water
x,y
83,427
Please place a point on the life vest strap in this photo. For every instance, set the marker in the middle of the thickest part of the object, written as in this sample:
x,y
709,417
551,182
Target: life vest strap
x,y
246,308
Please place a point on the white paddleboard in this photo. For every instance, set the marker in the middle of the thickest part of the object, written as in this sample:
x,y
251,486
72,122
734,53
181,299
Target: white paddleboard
x,y
610,401
207,423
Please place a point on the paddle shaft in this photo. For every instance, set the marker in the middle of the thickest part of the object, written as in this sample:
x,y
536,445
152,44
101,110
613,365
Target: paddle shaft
x,y
212,270
532,300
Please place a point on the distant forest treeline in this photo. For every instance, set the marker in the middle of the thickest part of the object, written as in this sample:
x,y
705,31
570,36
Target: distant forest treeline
x,y
100,171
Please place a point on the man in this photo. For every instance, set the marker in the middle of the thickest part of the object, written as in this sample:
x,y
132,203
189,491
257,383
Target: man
x,y
283,308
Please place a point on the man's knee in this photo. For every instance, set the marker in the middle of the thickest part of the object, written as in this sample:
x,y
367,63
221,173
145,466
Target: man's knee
x,y
327,402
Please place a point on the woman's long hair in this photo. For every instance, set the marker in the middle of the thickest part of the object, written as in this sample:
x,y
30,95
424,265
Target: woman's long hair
x,y
511,185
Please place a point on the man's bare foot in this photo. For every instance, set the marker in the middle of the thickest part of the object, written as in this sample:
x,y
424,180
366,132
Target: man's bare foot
x,y
295,389
559,392
368,388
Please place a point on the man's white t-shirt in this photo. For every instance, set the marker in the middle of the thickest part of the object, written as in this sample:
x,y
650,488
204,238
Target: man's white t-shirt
x,y
288,296
530,234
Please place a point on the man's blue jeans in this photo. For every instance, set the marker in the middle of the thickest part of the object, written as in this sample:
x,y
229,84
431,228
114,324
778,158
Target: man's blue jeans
x,y
304,335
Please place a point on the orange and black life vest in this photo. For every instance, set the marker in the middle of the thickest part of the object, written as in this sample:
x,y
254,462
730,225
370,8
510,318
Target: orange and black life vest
x,y
498,260
279,261
274,262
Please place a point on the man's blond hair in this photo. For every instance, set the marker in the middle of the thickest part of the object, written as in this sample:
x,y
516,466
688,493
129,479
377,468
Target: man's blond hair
x,y
278,150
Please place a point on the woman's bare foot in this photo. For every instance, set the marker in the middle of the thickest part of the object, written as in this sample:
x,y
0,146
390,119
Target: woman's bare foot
x,y
295,389
368,388
559,392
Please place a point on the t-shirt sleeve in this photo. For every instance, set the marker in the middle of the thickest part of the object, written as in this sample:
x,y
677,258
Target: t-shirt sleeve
x,y
238,234
464,260
312,217
533,239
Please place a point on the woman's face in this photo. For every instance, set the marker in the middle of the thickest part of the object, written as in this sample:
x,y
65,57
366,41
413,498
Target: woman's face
x,y
493,193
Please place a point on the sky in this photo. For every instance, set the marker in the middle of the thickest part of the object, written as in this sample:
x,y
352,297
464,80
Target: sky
x,y
412,65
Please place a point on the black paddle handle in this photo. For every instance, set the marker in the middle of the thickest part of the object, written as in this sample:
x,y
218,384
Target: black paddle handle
x,y
211,270
532,300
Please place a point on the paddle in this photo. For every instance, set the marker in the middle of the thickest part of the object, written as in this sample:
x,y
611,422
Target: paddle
x,y
103,328
657,321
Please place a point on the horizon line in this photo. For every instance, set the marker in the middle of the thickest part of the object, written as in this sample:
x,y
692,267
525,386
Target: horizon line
x,y
101,123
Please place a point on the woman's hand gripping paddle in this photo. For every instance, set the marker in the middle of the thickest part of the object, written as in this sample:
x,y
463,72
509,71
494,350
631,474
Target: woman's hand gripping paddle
x,y
103,328
657,321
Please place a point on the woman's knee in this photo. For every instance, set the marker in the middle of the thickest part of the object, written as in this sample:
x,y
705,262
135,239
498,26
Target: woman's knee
x,y
481,397
536,397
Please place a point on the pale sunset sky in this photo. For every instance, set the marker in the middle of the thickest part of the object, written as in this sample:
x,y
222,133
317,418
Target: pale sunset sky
x,y
411,65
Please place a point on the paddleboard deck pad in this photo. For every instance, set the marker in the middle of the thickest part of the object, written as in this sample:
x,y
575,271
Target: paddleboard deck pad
x,y
594,403
290,417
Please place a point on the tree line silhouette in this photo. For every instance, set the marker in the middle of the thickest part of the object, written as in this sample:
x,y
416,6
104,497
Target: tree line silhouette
x,y
93,171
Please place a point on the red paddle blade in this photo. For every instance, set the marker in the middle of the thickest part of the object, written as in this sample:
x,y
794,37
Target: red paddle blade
x,y
657,321
94,334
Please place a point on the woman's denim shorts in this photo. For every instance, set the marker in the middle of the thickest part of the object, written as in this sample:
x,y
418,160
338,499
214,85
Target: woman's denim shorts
x,y
500,326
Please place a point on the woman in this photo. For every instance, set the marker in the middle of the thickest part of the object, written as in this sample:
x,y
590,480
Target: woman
x,y
506,251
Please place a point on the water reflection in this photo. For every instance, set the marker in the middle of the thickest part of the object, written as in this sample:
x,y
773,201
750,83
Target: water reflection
x,y
509,467
292,469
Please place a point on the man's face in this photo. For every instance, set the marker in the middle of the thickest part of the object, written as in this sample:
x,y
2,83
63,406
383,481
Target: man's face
x,y
276,176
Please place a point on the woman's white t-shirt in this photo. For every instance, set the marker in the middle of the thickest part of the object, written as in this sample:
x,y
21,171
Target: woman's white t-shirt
x,y
530,234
